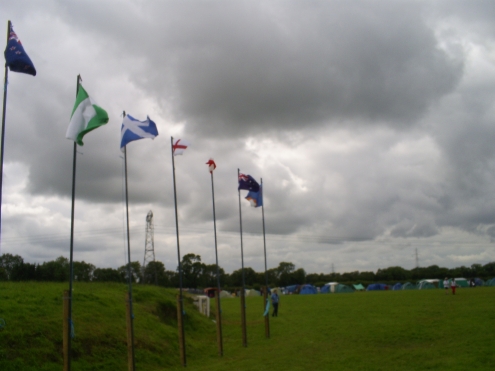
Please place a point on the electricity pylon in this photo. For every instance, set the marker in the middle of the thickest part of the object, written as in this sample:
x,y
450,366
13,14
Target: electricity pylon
x,y
149,244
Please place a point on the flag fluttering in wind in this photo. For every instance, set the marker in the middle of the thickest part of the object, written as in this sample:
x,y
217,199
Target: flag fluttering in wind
x,y
15,57
133,129
179,146
255,198
248,183
86,116
211,165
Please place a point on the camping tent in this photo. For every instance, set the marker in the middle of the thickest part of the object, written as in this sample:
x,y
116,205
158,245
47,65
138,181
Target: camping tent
x,y
340,288
225,294
478,282
292,289
253,293
307,289
408,286
490,282
397,286
425,284
328,287
435,282
461,282
376,286
358,287
336,289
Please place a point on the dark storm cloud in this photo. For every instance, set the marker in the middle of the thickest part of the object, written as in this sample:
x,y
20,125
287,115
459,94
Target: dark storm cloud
x,y
239,67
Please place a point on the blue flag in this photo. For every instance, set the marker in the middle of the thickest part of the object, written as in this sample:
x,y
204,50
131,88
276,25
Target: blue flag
x,y
255,198
267,308
15,56
133,129
248,183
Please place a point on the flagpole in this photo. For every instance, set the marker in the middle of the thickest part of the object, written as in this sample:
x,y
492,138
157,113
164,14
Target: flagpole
x,y
71,254
219,310
181,304
267,317
243,306
2,145
129,270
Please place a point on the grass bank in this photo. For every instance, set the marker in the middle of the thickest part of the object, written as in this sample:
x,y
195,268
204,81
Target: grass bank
x,y
393,330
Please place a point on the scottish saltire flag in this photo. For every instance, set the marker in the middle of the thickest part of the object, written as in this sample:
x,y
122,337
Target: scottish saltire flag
x,y
211,165
179,146
86,116
133,129
248,183
15,57
255,198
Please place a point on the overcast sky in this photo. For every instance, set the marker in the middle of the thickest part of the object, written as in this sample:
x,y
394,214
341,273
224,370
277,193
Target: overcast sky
x,y
371,123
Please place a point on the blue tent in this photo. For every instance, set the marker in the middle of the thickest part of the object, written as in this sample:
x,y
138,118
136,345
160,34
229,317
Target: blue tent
x,y
397,286
376,286
307,289
291,289
327,289
478,282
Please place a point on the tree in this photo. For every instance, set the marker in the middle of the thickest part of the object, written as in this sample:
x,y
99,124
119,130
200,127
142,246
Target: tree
x,y
235,278
106,275
24,272
192,268
208,277
135,272
284,271
83,271
55,270
8,262
154,274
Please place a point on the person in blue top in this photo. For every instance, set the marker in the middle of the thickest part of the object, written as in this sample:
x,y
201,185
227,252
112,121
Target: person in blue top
x,y
275,303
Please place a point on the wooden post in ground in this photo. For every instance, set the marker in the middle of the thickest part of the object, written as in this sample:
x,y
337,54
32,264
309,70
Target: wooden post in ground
x,y
219,324
128,314
181,332
243,318
65,337
267,317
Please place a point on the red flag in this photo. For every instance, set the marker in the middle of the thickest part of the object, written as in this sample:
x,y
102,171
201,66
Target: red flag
x,y
211,165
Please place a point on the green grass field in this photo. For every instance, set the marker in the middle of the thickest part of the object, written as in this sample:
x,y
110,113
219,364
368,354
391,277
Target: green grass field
x,y
391,330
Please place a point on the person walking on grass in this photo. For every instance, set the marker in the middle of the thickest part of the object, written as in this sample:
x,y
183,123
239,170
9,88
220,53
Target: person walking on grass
x,y
446,285
453,285
275,303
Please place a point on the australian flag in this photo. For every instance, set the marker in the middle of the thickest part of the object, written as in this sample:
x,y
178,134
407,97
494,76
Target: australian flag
x,y
248,183
255,198
15,57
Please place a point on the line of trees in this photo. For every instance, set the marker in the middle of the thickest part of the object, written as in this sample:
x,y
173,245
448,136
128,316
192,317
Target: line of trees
x,y
196,274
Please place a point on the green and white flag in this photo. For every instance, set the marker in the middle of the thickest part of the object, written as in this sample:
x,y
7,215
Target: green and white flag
x,y
86,116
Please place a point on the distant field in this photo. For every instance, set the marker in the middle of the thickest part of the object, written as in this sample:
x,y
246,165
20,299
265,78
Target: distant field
x,y
392,330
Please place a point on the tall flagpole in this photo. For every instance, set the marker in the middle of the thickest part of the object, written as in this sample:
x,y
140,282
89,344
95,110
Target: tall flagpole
x,y
182,339
267,317
5,81
219,310
129,270
71,260
243,290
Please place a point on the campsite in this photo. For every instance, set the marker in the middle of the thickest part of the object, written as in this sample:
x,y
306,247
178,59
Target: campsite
x,y
367,330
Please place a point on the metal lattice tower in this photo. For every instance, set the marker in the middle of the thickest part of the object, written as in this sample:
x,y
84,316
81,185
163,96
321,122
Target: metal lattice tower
x,y
149,244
